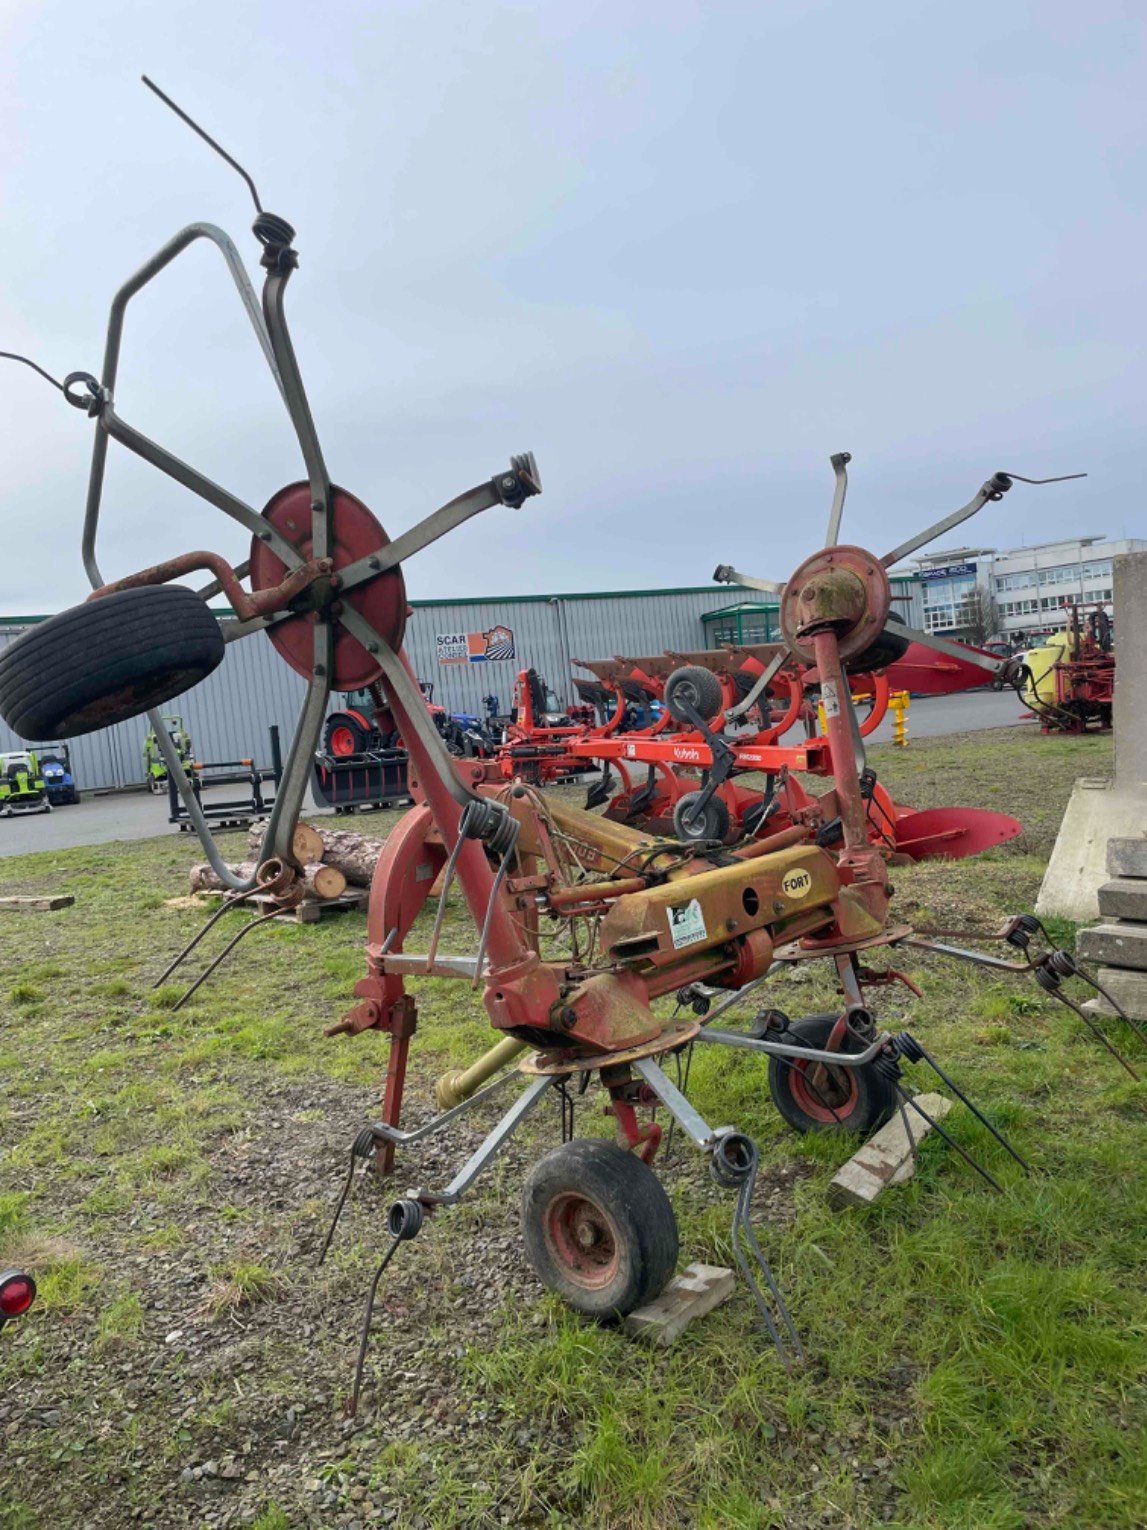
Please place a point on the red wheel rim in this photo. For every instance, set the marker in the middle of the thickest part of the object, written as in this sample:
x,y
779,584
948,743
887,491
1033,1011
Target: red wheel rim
x,y
830,1097
343,742
582,1239
382,601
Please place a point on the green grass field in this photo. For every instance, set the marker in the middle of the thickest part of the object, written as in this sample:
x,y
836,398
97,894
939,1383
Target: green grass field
x,y
977,1361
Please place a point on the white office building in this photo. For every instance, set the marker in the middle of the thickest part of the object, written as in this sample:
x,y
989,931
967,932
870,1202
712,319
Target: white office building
x,y
1020,594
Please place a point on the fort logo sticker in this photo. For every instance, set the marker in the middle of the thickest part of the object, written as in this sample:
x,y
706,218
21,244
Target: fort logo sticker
x,y
797,884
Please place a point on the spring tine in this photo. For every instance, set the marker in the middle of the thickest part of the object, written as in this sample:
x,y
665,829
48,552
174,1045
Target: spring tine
x,y
1116,1006
950,1140
1094,1029
228,902
979,1115
782,1308
364,1335
226,952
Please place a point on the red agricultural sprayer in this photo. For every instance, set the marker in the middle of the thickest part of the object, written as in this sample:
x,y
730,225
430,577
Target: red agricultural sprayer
x,y
580,924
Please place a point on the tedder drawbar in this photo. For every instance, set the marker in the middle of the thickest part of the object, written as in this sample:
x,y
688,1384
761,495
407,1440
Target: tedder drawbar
x,y
580,924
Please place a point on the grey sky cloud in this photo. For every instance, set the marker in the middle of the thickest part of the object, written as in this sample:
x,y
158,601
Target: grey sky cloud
x,y
681,251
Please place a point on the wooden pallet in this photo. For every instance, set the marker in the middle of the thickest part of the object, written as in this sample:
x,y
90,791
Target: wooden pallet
x,y
309,911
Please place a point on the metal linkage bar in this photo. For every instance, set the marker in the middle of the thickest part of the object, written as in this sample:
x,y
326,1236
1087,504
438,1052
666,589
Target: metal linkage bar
x,y
526,1103
146,273
692,1123
786,1049
759,686
725,573
402,1139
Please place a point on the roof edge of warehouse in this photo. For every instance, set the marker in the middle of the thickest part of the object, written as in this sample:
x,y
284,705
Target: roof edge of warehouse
x,y
490,600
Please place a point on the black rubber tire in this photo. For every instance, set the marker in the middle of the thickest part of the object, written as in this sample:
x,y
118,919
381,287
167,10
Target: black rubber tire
x,y
712,824
871,1098
888,648
630,1202
698,687
101,663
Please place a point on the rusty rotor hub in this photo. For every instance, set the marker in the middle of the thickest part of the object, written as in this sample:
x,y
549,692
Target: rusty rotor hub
x,y
839,589
356,534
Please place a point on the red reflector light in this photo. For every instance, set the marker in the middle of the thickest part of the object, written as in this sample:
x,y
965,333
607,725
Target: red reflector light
x,y
17,1293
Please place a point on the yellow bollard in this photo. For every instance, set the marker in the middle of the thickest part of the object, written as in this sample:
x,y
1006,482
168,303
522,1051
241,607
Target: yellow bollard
x,y
900,701
460,1083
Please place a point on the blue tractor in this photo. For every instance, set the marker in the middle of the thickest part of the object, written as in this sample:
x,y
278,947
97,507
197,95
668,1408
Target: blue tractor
x,y
59,783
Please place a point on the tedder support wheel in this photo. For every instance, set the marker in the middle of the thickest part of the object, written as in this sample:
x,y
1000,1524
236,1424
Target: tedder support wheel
x,y
100,663
694,687
598,1228
808,1094
711,823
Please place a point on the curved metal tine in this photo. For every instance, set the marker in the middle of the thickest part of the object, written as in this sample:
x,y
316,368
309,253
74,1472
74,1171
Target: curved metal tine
x,y
948,1138
979,1115
1117,1007
195,128
840,461
229,902
1061,478
226,952
793,1349
1094,1029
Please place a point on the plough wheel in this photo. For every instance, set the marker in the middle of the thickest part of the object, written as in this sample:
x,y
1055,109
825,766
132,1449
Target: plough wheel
x,y
711,823
694,687
816,1098
598,1228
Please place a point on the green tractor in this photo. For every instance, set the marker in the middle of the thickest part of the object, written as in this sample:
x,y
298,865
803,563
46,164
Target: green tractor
x,y
154,766
22,788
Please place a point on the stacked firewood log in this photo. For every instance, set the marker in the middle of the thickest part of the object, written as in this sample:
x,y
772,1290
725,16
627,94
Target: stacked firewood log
x,y
333,859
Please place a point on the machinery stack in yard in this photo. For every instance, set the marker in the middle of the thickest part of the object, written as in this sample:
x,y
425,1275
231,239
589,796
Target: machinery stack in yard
x,y
59,781
580,923
1069,681
231,812
22,785
154,759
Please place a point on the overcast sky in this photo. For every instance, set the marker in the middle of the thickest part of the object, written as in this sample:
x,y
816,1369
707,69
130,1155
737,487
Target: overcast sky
x,y
681,251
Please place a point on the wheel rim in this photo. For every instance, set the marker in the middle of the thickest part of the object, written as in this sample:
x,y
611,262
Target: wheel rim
x,y
582,1239
342,741
830,1097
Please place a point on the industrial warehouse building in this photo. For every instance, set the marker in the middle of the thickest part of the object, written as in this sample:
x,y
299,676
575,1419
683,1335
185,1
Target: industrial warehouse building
x,y
465,649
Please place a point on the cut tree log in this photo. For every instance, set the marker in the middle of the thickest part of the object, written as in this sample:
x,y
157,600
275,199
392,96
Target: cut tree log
x,y
42,905
353,854
322,882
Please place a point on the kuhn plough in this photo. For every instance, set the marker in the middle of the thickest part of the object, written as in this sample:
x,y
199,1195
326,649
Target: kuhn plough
x,y
581,924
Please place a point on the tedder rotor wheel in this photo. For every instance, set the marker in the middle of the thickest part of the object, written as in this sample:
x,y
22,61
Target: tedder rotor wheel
x,y
598,1228
100,663
821,1098
711,823
694,687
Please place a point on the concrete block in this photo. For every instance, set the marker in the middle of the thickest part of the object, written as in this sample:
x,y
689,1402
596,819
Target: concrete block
x,y
1127,988
1130,718
1099,810
888,1158
1116,943
1127,857
697,1290
1124,898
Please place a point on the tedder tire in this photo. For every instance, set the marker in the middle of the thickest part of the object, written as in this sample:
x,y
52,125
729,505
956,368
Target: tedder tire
x,y
598,1228
99,664
695,687
863,1098
713,823
888,648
